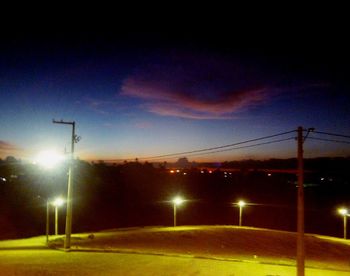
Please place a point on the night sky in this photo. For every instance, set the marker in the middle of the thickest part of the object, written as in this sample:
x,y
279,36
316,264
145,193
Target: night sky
x,y
136,94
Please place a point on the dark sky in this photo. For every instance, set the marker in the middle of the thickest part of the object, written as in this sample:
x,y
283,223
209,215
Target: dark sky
x,y
152,89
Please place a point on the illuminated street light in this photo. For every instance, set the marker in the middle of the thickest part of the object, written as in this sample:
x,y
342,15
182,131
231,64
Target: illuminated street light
x,y
57,203
240,204
48,159
345,213
176,201
47,221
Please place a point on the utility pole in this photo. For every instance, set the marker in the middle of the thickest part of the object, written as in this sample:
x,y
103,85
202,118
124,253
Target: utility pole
x,y
75,139
300,207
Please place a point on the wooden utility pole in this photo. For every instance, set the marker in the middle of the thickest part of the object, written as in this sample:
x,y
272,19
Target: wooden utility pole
x,y
300,207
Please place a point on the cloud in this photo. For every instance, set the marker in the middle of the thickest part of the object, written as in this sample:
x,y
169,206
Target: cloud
x,y
8,148
197,87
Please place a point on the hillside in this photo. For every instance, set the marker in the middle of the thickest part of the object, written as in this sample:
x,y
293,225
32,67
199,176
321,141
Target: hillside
x,y
219,242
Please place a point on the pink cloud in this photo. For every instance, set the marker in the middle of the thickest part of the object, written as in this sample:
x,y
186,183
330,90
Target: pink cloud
x,y
198,87
164,101
8,148
178,111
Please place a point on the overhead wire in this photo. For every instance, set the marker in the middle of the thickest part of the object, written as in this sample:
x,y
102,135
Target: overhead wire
x,y
220,147
211,149
236,148
329,140
331,134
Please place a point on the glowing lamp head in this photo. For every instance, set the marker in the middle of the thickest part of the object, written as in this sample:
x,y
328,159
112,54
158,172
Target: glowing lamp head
x,y
241,203
178,200
58,202
48,159
343,211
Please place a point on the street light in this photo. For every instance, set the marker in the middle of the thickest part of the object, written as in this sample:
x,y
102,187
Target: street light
x,y
57,203
48,159
176,201
240,204
47,221
345,213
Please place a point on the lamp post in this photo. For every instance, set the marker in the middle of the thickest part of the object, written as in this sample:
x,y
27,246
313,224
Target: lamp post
x,y
176,201
345,213
47,221
240,204
48,159
57,203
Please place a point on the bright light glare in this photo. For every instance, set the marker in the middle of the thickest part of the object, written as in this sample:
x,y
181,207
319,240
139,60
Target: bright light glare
x,y
58,202
241,203
49,159
178,200
343,211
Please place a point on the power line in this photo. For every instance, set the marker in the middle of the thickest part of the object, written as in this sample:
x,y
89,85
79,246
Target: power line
x,y
330,140
331,134
219,147
212,150
241,147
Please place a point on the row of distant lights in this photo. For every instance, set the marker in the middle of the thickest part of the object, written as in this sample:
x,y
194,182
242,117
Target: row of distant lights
x,y
178,200
178,171
226,174
210,172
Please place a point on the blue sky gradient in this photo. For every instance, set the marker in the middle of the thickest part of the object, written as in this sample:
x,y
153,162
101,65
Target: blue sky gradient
x,y
135,99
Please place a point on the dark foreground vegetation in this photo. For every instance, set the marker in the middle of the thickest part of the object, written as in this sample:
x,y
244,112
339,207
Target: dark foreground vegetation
x,y
138,194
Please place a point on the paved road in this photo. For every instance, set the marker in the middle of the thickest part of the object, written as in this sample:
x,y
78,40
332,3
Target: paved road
x,y
28,261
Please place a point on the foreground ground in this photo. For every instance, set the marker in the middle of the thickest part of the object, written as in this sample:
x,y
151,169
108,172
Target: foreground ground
x,y
200,250
53,262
